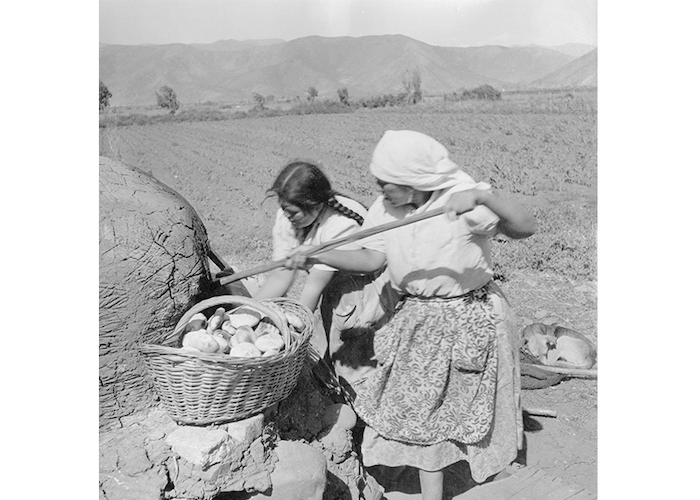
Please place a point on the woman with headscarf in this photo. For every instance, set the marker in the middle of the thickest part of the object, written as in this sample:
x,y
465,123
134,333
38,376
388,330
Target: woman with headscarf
x,y
447,384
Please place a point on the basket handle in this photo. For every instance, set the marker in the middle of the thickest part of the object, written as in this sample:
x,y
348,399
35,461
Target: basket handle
x,y
236,300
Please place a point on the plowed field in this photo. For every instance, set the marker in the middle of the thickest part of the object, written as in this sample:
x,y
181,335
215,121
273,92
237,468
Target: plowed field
x,y
542,150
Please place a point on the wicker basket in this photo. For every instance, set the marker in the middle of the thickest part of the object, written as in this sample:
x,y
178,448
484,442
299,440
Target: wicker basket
x,y
285,305
200,388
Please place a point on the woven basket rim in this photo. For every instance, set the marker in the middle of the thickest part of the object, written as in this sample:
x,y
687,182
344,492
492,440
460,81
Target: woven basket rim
x,y
292,341
277,318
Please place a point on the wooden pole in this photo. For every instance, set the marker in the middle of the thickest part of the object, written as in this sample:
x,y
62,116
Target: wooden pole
x,y
540,412
572,372
330,245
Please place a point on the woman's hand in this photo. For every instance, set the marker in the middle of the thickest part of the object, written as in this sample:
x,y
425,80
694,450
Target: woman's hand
x,y
463,201
299,259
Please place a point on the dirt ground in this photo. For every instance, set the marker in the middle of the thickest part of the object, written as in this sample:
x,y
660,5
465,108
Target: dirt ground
x,y
223,171
563,446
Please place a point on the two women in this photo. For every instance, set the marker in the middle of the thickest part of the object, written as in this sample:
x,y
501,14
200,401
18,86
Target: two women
x,y
447,382
312,213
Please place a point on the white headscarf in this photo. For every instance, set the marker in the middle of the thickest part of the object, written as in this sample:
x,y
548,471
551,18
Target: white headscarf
x,y
410,158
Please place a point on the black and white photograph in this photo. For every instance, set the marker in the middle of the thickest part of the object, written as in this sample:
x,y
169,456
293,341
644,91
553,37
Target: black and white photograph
x,y
348,250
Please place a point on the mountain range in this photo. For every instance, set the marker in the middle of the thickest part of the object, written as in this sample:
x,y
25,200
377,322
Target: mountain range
x,y
232,70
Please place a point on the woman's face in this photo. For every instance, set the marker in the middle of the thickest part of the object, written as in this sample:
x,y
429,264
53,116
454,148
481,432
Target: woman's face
x,y
298,216
396,194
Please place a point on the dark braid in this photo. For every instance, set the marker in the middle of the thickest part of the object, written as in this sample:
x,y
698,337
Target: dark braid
x,y
304,184
343,210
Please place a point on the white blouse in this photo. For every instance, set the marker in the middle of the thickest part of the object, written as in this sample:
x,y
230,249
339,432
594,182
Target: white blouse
x,y
435,257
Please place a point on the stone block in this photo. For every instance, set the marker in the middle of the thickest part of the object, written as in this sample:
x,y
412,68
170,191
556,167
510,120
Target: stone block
x,y
145,486
213,473
133,460
257,452
258,481
340,415
300,473
338,442
248,430
200,446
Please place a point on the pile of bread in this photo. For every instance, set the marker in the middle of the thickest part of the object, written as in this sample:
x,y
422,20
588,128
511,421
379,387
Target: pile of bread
x,y
243,332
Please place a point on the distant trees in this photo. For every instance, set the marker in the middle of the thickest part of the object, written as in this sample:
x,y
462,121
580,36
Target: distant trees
x,y
105,94
382,101
166,98
343,96
311,93
412,87
482,92
485,91
259,101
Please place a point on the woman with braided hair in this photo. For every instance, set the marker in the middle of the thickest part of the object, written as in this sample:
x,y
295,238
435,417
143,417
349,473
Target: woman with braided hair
x,y
352,305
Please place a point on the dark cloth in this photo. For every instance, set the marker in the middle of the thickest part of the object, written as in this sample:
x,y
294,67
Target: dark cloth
x,y
353,307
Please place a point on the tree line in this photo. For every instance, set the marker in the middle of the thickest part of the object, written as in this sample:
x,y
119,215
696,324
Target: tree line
x,y
165,98
411,93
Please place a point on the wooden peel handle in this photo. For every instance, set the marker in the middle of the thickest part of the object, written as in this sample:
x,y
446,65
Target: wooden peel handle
x,y
572,372
330,245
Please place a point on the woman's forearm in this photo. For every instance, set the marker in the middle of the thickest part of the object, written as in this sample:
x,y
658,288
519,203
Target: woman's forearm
x,y
276,285
361,261
516,221
316,283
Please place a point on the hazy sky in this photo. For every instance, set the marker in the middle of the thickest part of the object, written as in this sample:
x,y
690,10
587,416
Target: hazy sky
x,y
458,23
